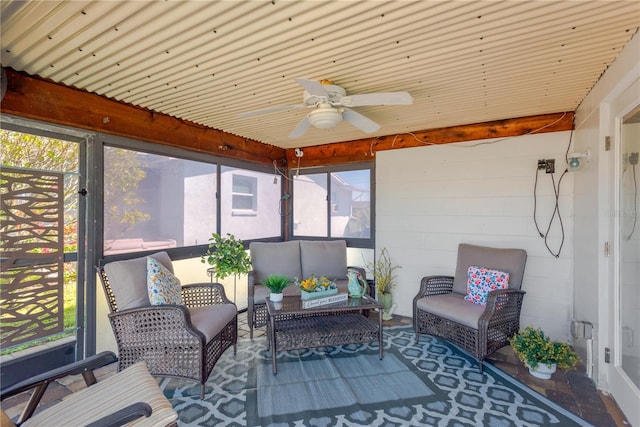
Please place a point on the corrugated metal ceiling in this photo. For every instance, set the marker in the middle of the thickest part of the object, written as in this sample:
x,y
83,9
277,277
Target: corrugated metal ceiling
x,y
208,61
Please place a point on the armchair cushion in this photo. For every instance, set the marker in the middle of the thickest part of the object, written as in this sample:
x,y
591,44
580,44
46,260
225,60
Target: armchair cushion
x,y
275,258
211,319
124,278
163,287
483,280
508,260
324,258
102,398
453,307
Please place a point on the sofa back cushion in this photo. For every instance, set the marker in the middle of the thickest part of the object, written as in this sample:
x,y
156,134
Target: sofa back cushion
x,y
275,258
128,280
511,261
324,258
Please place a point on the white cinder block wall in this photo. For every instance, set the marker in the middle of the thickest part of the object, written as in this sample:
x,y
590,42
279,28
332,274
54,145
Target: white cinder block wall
x,y
429,199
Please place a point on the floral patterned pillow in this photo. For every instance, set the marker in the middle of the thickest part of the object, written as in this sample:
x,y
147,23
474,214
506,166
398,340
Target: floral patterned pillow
x,y
163,286
481,280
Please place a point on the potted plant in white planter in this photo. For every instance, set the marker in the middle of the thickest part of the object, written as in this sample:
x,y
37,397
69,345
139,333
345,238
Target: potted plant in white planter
x,y
541,355
228,257
383,272
276,284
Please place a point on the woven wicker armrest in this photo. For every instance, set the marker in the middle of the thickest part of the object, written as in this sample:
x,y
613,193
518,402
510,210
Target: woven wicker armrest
x,y
251,280
156,326
204,294
435,285
503,305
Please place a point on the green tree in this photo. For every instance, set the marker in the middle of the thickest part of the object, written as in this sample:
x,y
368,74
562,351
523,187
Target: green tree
x,y
121,197
23,150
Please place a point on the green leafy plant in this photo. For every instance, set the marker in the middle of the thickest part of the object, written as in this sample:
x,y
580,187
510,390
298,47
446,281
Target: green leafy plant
x,y
276,283
533,347
227,255
383,272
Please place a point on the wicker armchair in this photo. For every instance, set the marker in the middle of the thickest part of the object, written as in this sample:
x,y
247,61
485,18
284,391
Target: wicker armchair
x,y
182,341
440,309
132,396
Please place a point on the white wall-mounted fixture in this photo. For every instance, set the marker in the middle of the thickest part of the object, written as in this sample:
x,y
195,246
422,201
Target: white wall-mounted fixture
x,y
299,154
576,161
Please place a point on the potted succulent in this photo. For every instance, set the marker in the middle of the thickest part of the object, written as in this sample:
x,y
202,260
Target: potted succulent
x,y
383,272
228,257
541,355
276,283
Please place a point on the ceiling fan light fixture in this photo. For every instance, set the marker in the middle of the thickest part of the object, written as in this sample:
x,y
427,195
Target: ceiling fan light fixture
x,y
325,117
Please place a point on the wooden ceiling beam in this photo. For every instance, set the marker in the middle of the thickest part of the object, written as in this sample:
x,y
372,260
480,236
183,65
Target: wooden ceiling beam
x,y
41,99
363,150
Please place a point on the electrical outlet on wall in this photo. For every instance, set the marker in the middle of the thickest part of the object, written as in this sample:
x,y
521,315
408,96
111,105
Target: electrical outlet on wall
x,y
550,166
547,165
542,164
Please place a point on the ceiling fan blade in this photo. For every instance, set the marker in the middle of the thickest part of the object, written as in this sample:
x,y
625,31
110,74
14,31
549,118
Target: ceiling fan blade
x,y
361,122
313,87
382,98
302,127
271,110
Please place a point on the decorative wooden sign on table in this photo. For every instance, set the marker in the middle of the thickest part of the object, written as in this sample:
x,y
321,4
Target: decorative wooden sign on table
x,y
325,300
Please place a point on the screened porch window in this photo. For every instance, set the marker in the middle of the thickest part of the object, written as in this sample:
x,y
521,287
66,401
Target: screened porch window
x,y
156,202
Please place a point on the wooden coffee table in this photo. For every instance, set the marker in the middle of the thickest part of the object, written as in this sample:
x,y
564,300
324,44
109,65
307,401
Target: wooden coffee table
x,y
292,327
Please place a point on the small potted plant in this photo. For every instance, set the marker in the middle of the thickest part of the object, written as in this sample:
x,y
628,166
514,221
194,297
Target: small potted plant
x,y
228,257
276,284
541,355
383,272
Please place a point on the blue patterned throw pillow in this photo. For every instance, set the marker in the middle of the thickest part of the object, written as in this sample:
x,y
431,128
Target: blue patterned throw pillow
x,y
163,286
481,281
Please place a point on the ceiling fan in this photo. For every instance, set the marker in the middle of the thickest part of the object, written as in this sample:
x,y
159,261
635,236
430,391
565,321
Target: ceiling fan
x,y
330,105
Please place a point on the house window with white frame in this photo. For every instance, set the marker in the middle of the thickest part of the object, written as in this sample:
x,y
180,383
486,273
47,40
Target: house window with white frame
x,y
244,194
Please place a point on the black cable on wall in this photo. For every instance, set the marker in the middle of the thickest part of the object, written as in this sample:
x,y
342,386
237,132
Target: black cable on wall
x,y
556,215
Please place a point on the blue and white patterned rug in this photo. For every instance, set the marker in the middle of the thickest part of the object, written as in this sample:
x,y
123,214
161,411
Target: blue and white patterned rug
x,y
431,383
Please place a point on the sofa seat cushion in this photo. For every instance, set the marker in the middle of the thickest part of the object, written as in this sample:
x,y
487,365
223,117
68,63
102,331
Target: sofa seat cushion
x,y
212,318
453,307
260,294
128,280
281,258
324,258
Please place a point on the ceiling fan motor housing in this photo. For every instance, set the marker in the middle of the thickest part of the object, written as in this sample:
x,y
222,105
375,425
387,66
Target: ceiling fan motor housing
x,y
334,94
